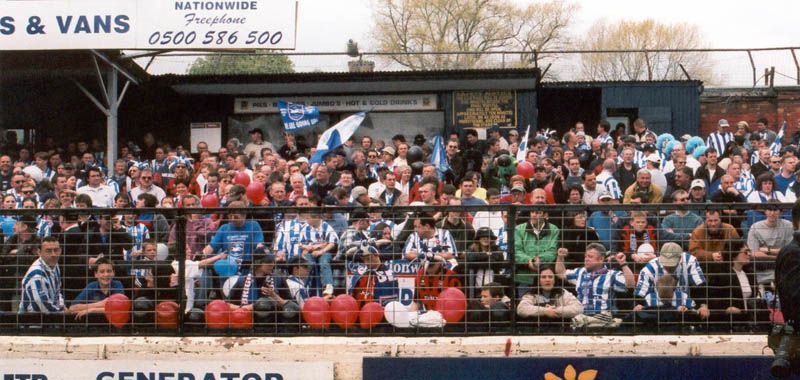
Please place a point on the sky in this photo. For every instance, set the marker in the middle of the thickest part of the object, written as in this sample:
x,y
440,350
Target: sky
x,y
326,25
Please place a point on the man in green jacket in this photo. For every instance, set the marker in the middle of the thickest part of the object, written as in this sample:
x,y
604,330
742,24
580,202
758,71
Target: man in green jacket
x,y
535,242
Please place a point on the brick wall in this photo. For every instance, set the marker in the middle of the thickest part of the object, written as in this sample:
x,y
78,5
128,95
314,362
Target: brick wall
x,y
735,105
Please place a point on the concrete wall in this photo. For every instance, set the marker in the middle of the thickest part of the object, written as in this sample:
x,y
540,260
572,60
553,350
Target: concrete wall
x,y
347,353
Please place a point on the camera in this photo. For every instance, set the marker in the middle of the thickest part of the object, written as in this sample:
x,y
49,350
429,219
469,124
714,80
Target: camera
x,y
785,343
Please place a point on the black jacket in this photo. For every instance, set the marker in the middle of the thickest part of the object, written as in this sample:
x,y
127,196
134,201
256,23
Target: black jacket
x,y
787,279
463,234
84,241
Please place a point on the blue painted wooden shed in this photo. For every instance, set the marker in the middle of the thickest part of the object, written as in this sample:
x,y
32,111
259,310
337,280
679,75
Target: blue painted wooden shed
x,y
665,106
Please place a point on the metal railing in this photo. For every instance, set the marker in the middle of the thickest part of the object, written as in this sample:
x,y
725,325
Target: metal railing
x,y
155,282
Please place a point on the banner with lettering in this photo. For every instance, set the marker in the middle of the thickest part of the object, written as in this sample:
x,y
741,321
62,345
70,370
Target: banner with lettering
x,y
297,116
147,24
39,369
546,368
404,271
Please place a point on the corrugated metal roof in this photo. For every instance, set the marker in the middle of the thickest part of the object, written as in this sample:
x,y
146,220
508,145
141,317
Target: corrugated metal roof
x,y
24,64
348,76
619,83
344,83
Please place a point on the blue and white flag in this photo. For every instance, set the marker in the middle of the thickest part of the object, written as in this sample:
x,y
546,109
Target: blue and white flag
x,y
297,116
776,146
439,157
523,146
334,136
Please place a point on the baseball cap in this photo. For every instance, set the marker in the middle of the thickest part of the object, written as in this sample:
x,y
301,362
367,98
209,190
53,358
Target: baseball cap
x,y
698,183
604,195
648,148
581,133
494,128
723,123
652,157
518,188
513,132
484,232
670,255
359,191
645,248
301,160
389,150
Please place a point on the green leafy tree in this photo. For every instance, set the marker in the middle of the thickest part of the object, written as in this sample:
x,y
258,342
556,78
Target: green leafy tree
x,y
259,63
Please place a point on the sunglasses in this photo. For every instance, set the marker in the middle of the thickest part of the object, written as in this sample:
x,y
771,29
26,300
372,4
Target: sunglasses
x,y
143,177
27,191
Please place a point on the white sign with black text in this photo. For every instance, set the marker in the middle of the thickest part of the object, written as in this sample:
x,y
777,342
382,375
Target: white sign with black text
x,y
147,24
411,102
34,369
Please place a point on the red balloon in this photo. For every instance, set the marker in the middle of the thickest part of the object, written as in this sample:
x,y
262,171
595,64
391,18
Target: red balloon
x,y
344,310
209,201
255,192
316,312
118,310
452,304
371,315
548,191
167,315
218,315
525,169
242,318
241,178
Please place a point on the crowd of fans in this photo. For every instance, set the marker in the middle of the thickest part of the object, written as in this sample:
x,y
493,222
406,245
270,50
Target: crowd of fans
x,y
584,269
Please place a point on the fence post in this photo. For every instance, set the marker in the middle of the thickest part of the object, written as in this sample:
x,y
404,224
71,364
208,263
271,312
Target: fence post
x,y
180,255
511,222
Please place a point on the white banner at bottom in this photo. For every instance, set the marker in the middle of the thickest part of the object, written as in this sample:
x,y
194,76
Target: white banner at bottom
x,y
34,369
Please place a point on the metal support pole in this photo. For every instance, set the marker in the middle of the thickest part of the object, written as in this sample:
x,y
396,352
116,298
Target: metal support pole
x,y
753,65
796,66
111,127
511,224
180,247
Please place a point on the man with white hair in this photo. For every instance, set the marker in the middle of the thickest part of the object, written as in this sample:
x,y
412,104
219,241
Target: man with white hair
x,y
745,182
644,185
607,181
653,162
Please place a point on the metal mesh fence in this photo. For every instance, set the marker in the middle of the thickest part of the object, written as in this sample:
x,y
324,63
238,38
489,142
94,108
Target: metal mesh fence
x,y
756,67
429,270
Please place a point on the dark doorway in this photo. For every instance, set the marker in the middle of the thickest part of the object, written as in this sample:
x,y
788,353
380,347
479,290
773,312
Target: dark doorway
x,y
561,108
